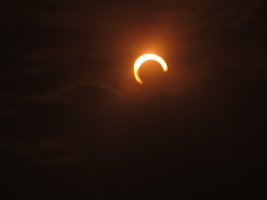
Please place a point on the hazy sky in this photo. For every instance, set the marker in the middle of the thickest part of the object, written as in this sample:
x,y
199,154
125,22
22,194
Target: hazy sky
x,y
71,110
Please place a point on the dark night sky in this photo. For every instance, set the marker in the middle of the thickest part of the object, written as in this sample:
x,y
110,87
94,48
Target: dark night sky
x,y
75,122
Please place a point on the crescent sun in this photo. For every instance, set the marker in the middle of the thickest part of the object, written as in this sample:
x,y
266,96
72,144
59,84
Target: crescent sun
x,y
146,57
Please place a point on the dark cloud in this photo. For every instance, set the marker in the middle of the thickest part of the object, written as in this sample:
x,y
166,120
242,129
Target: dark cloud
x,y
73,118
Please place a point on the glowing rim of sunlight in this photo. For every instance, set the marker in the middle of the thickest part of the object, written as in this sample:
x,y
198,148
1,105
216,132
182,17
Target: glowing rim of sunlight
x,y
146,57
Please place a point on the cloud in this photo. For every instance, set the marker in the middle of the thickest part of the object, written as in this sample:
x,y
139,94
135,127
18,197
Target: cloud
x,y
65,63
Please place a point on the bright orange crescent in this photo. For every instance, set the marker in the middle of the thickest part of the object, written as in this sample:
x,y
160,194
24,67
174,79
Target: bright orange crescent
x,y
146,57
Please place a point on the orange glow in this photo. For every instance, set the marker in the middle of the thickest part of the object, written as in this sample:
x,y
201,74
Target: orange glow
x,y
146,57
